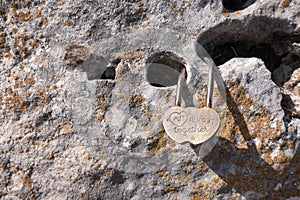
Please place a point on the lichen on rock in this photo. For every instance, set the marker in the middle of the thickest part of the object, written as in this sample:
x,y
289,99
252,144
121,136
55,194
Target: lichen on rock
x,y
81,110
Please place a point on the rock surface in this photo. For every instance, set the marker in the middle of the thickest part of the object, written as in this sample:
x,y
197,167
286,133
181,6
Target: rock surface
x,y
81,111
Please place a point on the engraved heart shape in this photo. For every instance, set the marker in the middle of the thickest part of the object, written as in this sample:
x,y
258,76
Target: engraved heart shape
x,y
191,124
178,119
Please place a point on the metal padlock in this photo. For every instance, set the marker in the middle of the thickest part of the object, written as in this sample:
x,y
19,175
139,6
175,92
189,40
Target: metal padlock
x,y
191,124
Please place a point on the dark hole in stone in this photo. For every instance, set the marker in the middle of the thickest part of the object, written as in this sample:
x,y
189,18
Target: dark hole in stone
x,y
234,5
117,177
109,73
262,37
41,119
163,69
98,67
288,107
246,49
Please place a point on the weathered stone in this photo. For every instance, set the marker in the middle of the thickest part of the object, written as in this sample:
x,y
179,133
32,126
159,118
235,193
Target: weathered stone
x,y
80,118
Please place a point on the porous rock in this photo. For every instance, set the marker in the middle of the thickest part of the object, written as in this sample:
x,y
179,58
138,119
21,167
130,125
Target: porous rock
x,y
66,133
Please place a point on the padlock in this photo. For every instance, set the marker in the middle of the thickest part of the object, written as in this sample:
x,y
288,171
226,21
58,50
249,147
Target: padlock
x,y
191,124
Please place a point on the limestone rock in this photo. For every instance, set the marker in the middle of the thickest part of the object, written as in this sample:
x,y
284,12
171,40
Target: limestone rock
x,y
81,113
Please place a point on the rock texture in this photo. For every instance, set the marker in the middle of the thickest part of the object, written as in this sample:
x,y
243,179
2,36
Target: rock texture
x,y
81,106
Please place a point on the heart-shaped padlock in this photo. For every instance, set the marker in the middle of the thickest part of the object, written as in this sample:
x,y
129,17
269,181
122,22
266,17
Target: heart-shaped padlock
x,y
192,124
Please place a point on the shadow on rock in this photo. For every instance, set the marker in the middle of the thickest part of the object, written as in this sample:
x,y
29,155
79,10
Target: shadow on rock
x,y
245,170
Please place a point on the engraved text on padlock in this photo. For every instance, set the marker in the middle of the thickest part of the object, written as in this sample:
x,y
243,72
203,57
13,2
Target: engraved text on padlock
x,y
191,124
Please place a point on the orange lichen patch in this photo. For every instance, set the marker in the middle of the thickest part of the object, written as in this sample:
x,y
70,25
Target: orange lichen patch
x,y
33,44
225,13
189,161
144,125
139,99
238,12
23,38
26,93
159,142
285,3
42,22
26,51
153,183
69,23
27,182
139,4
40,91
291,144
13,102
143,15
203,196
207,188
24,16
136,101
14,5
161,173
176,177
38,13
29,81
3,39
66,128
235,196
51,77
100,117
100,97
281,157
171,190
196,32
54,87
240,142
103,108
201,100
172,5
202,165
185,181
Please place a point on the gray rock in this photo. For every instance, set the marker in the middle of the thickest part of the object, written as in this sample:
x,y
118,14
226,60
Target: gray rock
x,y
81,108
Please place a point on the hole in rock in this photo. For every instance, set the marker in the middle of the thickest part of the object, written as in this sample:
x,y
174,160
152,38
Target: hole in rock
x,y
98,67
268,39
164,68
234,5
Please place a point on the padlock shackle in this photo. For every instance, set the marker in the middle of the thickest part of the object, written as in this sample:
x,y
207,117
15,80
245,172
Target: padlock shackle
x,y
210,86
179,87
